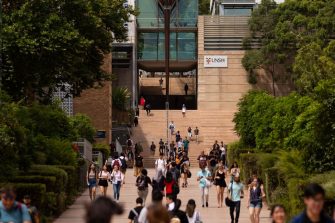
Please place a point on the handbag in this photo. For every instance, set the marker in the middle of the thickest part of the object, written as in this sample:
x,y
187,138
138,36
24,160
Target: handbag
x,y
229,202
189,174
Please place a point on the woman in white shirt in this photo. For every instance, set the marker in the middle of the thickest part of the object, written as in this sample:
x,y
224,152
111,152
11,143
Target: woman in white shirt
x,y
193,216
104,176
117,178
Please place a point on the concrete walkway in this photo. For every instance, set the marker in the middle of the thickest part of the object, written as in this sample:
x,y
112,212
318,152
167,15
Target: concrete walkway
x,y
213,214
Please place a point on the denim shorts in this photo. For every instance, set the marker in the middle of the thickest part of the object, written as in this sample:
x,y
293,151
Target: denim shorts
x,y
256,204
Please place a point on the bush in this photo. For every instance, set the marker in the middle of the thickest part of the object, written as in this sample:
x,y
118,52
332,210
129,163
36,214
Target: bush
x,y
327,180
234,150
46,170
48,181
103,148
72,183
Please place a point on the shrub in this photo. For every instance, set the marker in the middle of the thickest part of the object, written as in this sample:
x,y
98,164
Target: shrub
x,y
82,127
47,170
72,183
103,148
235,149
48,181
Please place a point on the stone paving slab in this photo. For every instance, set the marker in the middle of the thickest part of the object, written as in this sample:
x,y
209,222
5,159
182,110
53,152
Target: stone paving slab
x,y
213,214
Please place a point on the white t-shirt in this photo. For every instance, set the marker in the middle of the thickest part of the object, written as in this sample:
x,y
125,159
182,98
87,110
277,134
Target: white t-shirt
x,y
171,206
117,176
195,218
143,216
160,164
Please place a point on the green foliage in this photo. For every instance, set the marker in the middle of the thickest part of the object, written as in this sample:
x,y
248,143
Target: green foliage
x,y
121,98
234,150
49,181
290,164
327,180
82,126
48,43
103,148
72,185
204,7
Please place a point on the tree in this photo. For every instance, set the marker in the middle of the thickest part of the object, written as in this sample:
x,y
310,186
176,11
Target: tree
x,y
49,43
204,7
120,98
82,127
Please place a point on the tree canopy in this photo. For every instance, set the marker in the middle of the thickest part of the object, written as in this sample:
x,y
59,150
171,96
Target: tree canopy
x,y
49,43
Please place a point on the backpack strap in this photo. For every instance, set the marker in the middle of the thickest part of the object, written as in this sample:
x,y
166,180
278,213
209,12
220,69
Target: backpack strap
x,y
134,211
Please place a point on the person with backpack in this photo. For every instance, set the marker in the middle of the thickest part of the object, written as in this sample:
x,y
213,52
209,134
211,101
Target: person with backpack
x,y
193,216
171,186
148,108
142,183
204,178
161,146
186,144
102,210
117,179
129,144
12,210
172,127
34,214
138,165
136,211
236,193
124,164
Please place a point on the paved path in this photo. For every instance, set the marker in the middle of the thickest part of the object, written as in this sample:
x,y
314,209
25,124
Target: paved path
x,y
128,195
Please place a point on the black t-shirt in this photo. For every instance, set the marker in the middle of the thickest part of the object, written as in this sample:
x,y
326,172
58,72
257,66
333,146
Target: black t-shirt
x,y
146,179
132,215
139,161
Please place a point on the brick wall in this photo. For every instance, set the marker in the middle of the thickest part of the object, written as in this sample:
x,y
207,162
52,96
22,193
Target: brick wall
x,y
97,104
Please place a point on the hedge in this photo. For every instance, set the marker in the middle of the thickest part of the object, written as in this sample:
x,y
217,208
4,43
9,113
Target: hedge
x,y
72,183
49,181
47,170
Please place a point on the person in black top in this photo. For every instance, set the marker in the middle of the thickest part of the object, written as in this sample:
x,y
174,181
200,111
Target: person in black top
x,y
138,165
178,137
220,183
153,147
137,112
135,212
161,146
142,183
314,199
186,88
177,213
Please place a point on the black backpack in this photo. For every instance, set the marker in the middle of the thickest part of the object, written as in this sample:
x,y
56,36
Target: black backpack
x,y
123,163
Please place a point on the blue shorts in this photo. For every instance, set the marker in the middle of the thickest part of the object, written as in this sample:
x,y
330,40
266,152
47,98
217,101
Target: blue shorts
x,y
256,204
92,183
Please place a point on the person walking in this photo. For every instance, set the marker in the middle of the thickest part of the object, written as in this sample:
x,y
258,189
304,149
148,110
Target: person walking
x,y
160,216
178,214
220,183
236,191
160,163
186,88
183,110
104,176
169,183
186,144
202,158
148,108
102,210
193,215
153,147
196,134
136,211
142,102
161,82
256,194
123,159
142,183
178,137
33,212
117,179
278,214
185,169
135,121
223,153
161,146
137,112
234,170
138,165
314,199
189,132
204,178
92,178
172,128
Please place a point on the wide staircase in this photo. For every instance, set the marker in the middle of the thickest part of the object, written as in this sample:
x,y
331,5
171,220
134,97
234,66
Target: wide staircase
x,y
213,125
151,85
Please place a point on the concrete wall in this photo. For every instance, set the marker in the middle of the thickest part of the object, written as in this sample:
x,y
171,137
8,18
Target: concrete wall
x,y
97,104
221,88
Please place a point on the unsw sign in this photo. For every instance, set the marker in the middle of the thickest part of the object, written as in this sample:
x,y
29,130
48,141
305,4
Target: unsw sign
x,y
215,61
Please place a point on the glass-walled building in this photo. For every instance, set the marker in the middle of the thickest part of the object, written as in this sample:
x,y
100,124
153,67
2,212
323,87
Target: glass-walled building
x,y
183,51
232,7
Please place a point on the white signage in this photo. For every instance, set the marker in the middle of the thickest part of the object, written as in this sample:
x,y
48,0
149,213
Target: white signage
x,y
215,61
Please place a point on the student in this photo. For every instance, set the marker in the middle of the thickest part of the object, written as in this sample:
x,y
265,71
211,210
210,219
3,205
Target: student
x,y
193,216
255,204
124,165
178,137
177,213
189,132
136,211
278,214
138,165
135,121
185,169
104,176
183,110
92,178
186,88
161,146
11,210
157,198
117,178
186,144
234,170
236,190
102,210
204,178
170,205
160,163
196,133
202,158
142,183
152,147
220,183
172,127
34,214
314,199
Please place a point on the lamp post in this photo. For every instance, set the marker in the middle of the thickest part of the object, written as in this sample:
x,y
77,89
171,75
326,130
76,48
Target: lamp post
x,y
167,10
